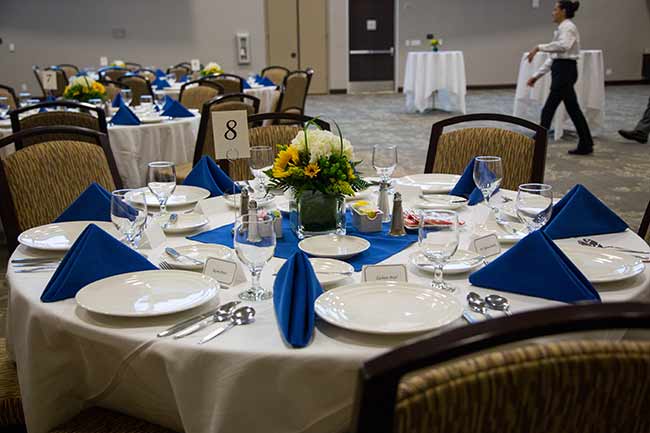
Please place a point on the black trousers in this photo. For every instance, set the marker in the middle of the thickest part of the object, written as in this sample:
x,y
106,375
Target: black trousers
x,y
564,74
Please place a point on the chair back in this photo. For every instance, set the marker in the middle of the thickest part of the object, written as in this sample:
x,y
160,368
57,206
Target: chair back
x,y
139,86
132,66
443,384
69,70
644,228
197,92
231,83
85,116
294,91
37,74
180,71
113,88
113,73
38,182
147,74
524,158
61,80
9,93
275,74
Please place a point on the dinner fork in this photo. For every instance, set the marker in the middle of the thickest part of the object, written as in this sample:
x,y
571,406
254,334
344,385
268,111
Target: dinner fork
x,y
587,242
165,266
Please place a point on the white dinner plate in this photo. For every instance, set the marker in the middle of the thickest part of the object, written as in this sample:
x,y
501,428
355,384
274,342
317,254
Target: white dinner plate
x,y
431,183
183,195
326,270
462,261
186,222
60,236
440,201
199,252
334,246
147,293
365,194
600,266
387,307
512,233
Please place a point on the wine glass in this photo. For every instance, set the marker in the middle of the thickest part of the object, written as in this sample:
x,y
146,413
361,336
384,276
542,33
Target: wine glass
x,y
534,204
129,220
384,160
488,173
438,238
171,79
4,107
161,180
146,104
160,100
24,98
127,96
261,160
254,240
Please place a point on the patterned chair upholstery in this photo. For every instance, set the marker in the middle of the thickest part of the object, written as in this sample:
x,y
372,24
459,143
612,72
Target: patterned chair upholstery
x,y
11,407
98,420
275,74
231,83
196,93
10,94
113,88
294,92
114,74
139,86
179,71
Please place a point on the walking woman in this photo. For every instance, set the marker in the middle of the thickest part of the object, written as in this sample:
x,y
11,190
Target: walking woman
x,y
565,52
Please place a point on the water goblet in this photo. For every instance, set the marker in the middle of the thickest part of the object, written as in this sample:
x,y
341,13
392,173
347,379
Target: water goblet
x,y
384,161
146,104
488,173
260,161
24,98
534,204
127,96
129,220
254,241
438,238
160,100
161,180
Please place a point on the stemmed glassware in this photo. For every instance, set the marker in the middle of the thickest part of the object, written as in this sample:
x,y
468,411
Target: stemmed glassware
x,y
171,79
384,161
24,98
4,107
161,180
254,240
260,161
146,104
438,238
129,220
534,204
488,173
127,96
160,100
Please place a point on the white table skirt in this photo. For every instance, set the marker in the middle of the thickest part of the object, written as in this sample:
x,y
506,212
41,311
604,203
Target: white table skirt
x,y
246,380
268,95
590,89
439,75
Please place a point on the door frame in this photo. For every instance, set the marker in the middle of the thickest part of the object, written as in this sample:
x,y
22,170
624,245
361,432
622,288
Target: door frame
x,y
395,44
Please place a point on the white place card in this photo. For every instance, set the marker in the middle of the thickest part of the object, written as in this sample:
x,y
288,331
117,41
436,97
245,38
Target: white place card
x,y
230,133
195,64
49,80
152,236
103,61
227,272
384,273
486,245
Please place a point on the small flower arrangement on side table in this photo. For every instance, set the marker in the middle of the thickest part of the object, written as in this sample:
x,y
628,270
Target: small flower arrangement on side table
x,y
434,42
84,89
211,68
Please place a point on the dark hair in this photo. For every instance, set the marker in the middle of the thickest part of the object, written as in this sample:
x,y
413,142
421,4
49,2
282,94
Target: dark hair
x,y
569,7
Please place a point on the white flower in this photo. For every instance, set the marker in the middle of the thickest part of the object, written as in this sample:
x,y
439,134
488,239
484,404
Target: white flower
x,y
82,80
213,66
321,143
119,63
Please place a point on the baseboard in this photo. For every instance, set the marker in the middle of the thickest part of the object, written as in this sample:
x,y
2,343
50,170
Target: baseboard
x,y
338,91
626,82
491,86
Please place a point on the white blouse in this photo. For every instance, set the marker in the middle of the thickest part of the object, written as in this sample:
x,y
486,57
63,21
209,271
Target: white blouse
x,y
565,45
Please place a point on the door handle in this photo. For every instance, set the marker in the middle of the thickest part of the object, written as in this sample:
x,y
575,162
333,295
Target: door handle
x,y
293,55
391,51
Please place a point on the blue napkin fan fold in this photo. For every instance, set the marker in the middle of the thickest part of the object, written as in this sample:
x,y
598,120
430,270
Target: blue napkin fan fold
x,y
93,256
117,101
295,290
173,108
465,187
160,83
207,174
125,116
160,73
580,213
93,204
535,266
184,79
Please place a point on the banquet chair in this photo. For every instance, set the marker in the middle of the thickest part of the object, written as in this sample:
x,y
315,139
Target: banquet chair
x,y
69,70
61,81
112,73
148,74
139,86
465,380
524,158
86,116
204,138
197,92
294,92
132,66
10,94
113,88
231,83
644,228
38,182
180,70
12,417
275,74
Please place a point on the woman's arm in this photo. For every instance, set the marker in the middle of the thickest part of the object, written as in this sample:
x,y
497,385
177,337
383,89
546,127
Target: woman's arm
x,y
566,38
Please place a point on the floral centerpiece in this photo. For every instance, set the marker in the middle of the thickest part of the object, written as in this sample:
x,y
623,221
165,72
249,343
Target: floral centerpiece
x,y
434,42
318,167
211,68
83,89
118,63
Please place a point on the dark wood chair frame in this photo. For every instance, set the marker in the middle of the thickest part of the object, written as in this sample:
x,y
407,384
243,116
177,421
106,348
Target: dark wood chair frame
x,y
151,71
380,376
8,210
12,92
292,118
540,138
69,65
275,67
108,81
645,222
132,66
310,73
102,71
202,82
137,77
231,77
16,127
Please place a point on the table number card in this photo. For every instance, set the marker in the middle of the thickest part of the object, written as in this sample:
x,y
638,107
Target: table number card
x,y
384,273
49,80
486,245
195,64
103,61
227,272
230,133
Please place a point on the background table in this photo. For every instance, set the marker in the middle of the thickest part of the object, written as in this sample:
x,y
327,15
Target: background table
x,y
246,380
441,73
590,89
268,95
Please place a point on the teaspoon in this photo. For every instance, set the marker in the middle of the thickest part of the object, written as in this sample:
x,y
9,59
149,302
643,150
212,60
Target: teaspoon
x,y
477,304
498,303
241,316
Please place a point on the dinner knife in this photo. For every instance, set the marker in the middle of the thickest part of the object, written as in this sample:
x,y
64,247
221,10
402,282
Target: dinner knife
x,y
222,314
23,260
192,320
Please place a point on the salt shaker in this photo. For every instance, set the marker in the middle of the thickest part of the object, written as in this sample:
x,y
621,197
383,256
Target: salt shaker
x,y
251,222
382,203
243,202
397,220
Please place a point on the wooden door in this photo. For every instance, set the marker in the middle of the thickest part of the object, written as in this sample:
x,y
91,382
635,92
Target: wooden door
x,y
282,33
312,30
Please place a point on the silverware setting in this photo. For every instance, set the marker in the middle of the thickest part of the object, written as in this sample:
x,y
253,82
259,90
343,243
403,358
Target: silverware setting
x,y
172,252
442,202
482,305
241,316
477,304
222,314
508,228
32,260
165,266
195,319
43,268
587,242
348,273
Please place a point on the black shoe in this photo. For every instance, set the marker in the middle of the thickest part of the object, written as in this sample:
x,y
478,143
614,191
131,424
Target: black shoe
x,y
634,136
581,151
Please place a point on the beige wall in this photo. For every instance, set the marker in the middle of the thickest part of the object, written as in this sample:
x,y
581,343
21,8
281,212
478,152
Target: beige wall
x,y
338,38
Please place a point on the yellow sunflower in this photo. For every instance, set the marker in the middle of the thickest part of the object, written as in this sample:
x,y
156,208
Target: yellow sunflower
x,y
312,170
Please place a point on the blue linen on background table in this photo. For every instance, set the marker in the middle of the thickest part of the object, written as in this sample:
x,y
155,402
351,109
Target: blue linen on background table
x,y
173,108
117,101
160,73
264,81
160,83
207,174
535,266
183,79
94,204
125,116
382,246
295,290
580,213
93,256
465,187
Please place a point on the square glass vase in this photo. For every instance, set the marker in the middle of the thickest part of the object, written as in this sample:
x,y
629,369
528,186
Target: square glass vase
x,y
315,213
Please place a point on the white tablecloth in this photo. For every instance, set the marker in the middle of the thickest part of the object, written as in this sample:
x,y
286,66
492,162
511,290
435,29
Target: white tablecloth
x,y
247,380
435,74
268,95
590,89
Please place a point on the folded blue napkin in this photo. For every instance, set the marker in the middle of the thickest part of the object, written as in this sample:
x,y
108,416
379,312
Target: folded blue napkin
x,y
160,83
207,174
176,109
94,204
295,290
184,79
167,103
160,73
50,98
465,187
246,85
93,256
264,81
535,266
125,116
117,101
580,213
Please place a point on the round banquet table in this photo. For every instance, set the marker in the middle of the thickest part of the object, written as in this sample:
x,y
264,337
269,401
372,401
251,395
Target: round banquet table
x,y
268,95
248,379
590,89
435,75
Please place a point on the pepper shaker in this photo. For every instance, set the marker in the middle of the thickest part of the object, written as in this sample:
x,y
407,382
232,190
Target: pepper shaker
x,y
251,222
382,203
243,201
397,220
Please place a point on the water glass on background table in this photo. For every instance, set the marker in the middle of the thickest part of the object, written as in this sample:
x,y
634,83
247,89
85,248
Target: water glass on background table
x,y
260,161
129,220
24,98
171,79
384,161
161,180
146,104
127,96
438,238
254,241
4,107
534,204
160,100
